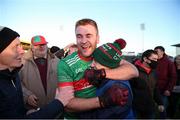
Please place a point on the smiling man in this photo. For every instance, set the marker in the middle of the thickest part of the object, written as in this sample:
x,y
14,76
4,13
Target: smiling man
x,y
11,97
70,74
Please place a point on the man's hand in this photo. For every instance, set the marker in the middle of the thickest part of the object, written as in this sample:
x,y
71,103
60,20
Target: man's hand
x,y
167,93
115,95
32,100
160,108
64,94
95,77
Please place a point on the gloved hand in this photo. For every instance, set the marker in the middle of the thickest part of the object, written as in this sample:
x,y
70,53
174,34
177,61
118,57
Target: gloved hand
x,y
115,95
95,77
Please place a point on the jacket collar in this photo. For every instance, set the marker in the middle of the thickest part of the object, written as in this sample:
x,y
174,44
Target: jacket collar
x,y
9,75
141,65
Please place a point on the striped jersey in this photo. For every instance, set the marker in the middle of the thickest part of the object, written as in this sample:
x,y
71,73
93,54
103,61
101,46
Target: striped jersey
x,y
70,73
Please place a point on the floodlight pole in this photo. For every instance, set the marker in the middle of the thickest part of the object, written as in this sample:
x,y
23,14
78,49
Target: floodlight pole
x,y
142,26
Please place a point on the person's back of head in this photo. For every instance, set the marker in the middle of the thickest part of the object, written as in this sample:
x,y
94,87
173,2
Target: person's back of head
x,y
60,54
54,49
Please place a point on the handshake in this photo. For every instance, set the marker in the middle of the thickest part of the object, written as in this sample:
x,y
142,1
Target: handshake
x,y
115,95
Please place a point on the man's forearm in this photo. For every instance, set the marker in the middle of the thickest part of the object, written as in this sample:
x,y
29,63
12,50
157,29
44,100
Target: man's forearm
x,y
82,104
125,71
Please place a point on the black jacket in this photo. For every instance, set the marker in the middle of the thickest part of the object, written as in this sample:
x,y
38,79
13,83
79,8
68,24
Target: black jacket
x,y
145,90
11,99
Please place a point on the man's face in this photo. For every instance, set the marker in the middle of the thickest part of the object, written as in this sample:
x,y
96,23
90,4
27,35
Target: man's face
x,y
177,60
153,57
151,61
39,50
87,39
160,53
11,57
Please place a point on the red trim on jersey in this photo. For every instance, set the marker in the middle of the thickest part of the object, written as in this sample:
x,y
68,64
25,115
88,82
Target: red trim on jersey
x,y
85,58
63,84
81,84
78,85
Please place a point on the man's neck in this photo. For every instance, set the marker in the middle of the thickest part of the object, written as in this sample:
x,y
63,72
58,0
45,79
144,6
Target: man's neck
x,y
35,57
3,67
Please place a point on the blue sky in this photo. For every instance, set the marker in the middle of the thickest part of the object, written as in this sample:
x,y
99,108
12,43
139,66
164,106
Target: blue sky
x,y
55,19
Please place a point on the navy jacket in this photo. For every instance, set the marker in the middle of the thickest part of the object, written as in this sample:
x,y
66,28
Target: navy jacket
x,y
11,99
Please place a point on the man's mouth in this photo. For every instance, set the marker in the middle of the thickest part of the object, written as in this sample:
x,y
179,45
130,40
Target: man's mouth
x,y
19,59
84,47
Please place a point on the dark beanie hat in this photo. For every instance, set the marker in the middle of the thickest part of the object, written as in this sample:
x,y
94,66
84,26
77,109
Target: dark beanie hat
x,y
110,54
6,37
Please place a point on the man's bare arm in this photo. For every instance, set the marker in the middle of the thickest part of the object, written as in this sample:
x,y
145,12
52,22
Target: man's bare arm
x,y
125,71
82,104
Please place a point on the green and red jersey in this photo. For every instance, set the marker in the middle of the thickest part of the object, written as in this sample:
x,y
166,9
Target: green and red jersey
x,y
70,73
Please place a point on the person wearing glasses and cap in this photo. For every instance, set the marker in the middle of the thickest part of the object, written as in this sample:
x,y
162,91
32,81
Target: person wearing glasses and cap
x,y
39,74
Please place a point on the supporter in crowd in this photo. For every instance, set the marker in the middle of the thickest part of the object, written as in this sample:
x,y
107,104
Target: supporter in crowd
x,y
11,97
59,53
39,74
166,74
71,72
54,49
174,106
70,48
145,91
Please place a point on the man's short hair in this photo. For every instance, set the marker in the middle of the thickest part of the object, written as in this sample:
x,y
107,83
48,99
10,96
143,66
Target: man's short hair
x,y
160,47
148,53
87,21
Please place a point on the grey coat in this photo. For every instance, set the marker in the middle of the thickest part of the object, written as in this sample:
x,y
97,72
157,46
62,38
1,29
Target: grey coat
x,y
31,80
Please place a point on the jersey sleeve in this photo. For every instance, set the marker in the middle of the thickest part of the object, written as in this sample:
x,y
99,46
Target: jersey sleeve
x,y
65,74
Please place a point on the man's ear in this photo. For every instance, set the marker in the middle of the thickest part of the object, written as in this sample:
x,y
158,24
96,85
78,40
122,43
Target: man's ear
x,y
145,59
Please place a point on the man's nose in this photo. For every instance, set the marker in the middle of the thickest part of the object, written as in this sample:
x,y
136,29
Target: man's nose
x,y
21,50
84,40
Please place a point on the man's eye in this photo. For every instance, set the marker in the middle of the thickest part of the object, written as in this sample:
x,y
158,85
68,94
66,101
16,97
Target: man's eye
x,y
88,36
78,36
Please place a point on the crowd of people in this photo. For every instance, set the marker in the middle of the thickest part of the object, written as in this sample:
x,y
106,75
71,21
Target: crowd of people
x,y
83,81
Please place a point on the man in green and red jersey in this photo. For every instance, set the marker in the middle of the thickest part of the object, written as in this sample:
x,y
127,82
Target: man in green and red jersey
x,y
71,70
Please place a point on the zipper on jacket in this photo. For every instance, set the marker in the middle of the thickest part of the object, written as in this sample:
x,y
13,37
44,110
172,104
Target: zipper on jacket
x,y
13,83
